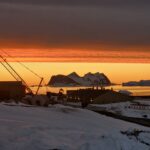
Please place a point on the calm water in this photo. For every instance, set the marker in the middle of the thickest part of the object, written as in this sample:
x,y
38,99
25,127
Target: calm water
x,y
136,90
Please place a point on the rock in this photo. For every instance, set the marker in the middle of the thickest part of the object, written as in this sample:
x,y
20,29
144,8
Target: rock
x,y
137,83
74,79
62,80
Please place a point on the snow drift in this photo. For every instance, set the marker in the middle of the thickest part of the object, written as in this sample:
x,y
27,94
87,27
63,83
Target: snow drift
x,y
65,128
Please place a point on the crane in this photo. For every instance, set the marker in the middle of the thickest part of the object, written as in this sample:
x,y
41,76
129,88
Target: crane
x,y
17,77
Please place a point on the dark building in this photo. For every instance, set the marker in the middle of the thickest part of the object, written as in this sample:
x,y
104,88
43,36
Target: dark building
x,y
11,90
112,97
96,96
87,94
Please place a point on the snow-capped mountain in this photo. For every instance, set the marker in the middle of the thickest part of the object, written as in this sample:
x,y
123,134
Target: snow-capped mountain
x,y
62,80
73,79
97,78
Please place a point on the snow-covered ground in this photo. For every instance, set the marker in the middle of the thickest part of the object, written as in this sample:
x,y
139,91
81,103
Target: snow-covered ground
x,y
130,109
66,128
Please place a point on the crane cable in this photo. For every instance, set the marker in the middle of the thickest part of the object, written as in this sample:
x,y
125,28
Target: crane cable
x,y
21,64
25,68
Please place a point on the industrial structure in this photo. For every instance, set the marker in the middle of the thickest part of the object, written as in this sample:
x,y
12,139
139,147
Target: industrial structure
x,y
11,90
15,89
96,96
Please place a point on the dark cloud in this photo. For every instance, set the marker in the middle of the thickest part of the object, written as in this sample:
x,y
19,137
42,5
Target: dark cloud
x,y
80,2
57,23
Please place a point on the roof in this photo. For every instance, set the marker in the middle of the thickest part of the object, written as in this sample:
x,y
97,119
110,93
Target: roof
x,y
112,97
10,83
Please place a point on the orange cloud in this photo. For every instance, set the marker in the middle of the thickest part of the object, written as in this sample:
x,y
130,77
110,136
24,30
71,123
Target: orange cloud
x,y
77,55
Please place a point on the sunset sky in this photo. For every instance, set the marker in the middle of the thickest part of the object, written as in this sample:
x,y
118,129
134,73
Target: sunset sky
x,y
81,31
116,72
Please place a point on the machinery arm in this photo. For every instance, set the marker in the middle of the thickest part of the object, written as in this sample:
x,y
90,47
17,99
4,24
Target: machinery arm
x,y
10,69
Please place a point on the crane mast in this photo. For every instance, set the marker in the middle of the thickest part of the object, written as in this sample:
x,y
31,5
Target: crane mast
x,y
14,74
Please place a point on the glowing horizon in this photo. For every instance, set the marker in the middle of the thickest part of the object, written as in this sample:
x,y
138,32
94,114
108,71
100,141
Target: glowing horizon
x,y
116,72
75,55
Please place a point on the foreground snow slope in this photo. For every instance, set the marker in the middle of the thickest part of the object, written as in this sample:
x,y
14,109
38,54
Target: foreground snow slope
x,y
65,128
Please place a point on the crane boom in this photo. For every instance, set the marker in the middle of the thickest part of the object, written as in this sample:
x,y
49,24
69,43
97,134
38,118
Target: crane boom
x,y
13,72
8,70
39,86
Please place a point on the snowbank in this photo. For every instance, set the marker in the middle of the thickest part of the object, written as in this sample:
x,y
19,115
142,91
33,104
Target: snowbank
x,y
65,128
128,109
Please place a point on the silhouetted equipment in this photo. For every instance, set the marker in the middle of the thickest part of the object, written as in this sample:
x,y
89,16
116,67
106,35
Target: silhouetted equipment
x,y
11,90
15,74
39,86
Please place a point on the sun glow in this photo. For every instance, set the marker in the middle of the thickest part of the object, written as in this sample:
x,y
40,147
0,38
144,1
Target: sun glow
x,y
119,66
117,72
77,55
